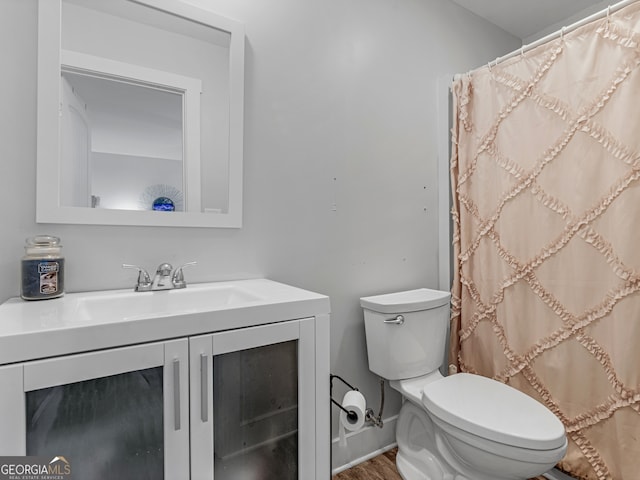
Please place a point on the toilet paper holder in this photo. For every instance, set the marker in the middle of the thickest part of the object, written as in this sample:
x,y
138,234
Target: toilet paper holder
x,y
369,414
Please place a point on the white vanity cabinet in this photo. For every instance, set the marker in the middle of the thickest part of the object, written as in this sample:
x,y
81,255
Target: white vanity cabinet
x,y
239,391
118,413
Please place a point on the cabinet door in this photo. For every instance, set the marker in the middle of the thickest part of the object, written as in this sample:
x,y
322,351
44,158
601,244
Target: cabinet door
x,y
118,413
253,403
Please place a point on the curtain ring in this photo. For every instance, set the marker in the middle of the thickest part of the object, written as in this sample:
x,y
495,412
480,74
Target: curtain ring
x,y
522,52
608,15
562,34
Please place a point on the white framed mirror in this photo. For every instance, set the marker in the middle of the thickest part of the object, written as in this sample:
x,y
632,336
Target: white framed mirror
x,y
140,114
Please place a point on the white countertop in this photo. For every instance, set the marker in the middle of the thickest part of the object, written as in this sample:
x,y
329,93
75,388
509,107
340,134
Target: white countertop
x,y
79,322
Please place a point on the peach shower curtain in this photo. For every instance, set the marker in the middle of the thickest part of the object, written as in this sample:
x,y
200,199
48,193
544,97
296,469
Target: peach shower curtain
x,y
546,185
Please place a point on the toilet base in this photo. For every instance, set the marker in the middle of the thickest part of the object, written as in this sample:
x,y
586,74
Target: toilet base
x,y
418,457
424,452
408,469
415,468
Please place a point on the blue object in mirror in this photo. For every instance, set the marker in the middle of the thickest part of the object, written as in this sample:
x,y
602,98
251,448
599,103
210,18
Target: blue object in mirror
x,y
163,204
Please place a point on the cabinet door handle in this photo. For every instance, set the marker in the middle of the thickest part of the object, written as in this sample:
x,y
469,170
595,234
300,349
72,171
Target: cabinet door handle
x,y
176,394
204,387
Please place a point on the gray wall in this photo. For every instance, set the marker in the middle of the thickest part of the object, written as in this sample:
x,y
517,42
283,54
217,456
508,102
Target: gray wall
x,y
581,15
340,158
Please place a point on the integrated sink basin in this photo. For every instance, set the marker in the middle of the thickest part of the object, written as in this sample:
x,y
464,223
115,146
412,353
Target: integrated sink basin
x,y
79,322
124,305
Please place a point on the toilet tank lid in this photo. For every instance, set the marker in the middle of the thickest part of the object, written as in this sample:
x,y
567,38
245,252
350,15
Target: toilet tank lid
x,y
407,301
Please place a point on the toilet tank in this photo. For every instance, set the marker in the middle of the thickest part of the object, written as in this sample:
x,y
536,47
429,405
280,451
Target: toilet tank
x,y
406,332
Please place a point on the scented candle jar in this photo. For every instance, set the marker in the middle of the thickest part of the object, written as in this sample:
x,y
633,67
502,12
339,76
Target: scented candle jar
x,y
42,268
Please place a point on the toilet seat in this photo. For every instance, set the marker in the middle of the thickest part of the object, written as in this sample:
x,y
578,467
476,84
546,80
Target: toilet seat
x,y
493,410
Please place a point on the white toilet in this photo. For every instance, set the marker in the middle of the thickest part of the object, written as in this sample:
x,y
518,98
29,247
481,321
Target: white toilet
x,y
460,427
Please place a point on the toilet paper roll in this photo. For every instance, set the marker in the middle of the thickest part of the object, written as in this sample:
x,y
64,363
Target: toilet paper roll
x,y
355,402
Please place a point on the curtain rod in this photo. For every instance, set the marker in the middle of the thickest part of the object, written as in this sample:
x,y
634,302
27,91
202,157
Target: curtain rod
x,y
525,48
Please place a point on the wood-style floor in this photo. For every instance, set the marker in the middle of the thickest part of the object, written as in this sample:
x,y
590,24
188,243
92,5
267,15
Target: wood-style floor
x,y
382,467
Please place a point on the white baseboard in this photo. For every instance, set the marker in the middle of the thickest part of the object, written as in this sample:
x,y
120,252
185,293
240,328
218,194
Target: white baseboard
x,y
363,445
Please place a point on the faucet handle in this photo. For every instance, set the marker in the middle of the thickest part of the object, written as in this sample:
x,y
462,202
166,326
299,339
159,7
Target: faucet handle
x,y
144,281
178,275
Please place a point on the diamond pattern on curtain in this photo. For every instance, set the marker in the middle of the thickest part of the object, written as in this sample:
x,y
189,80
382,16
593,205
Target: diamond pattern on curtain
x,y
545,177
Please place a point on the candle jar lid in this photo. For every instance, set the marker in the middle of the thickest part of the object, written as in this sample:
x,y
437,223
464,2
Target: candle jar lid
x,y
42,244
43,241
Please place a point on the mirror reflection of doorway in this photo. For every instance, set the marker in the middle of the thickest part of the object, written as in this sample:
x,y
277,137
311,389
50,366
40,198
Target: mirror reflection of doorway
x,y
119,138
76,147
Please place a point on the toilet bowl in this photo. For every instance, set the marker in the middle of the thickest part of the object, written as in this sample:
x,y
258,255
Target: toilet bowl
x,y
460,427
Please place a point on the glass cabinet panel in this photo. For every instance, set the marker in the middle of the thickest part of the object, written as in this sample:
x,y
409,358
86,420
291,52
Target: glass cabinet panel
x,y
255,412
109,427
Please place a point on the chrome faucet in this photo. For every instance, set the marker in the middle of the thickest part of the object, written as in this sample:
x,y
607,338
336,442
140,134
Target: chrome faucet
x,y
165,278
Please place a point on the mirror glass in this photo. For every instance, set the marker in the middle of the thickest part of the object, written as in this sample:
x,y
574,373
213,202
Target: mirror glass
x,y
121,145
147,125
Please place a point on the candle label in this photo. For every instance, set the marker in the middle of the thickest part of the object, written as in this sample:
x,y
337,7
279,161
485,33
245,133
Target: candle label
x,y
48,277
42,279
